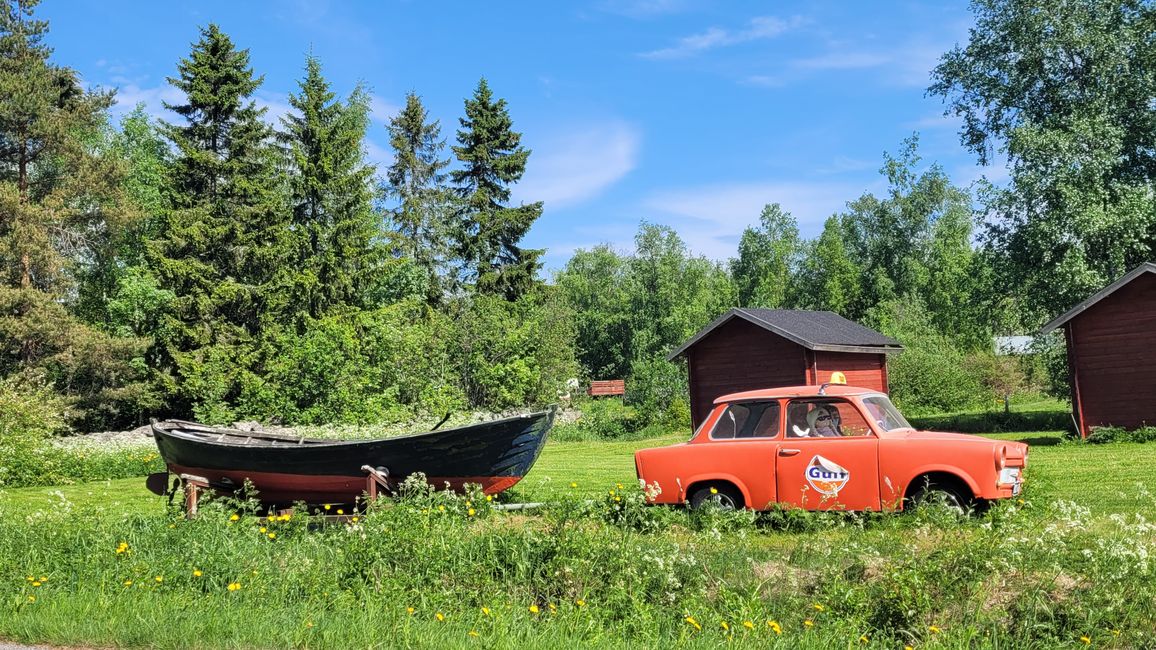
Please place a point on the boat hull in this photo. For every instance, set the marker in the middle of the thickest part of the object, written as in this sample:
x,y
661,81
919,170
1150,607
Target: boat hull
x,y
495,455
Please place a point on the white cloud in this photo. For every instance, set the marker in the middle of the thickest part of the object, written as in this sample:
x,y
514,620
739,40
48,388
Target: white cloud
x,y
843,61
382,110
575,166
276,106
711,218
759,28
378,155
128,95
937,121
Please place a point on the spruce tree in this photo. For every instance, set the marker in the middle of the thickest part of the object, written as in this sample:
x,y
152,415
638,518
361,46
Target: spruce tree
x,y
222,242
416,181
335,255
489,230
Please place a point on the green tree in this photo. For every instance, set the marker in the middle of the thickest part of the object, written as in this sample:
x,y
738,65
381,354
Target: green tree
x,y
220,246
1063,89
424,208
594,285
492,160
334,230
828,278
61,210
769,256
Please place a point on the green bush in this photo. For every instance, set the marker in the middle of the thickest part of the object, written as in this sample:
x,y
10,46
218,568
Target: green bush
x,y
1101,435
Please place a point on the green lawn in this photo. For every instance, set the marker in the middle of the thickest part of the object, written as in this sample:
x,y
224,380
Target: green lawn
x,y
1108,479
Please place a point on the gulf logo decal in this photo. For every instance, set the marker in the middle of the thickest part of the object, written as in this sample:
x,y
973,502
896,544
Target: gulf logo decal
x,y
827,476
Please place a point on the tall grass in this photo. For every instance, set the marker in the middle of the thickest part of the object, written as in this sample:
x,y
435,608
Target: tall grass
x,y
439,570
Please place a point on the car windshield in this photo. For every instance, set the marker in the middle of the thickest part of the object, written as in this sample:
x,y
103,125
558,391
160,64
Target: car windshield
x,y
884,413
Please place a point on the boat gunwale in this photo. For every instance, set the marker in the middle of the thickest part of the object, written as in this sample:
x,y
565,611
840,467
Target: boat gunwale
x,y
181,429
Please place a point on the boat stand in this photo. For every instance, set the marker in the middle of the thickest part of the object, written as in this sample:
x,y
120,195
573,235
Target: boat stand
x,y
193,486
376,478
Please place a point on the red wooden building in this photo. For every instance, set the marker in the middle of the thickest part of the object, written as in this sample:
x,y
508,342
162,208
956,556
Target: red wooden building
x,y
1111,341
747,349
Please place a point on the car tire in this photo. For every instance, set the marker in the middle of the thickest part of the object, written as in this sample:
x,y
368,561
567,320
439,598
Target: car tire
x,y
724,497
943,495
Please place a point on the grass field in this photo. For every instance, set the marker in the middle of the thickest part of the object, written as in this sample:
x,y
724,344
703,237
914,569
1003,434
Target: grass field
x,y
107,564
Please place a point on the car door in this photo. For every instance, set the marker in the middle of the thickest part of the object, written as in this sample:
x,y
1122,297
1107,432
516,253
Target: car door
x,y
741,447
829,457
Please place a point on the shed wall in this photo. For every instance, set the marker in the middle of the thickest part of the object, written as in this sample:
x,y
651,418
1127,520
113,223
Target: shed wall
x,y
1114,357
862,370
739,356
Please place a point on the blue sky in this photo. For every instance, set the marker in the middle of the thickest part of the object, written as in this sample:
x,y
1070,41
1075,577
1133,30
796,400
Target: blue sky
x,y
680,112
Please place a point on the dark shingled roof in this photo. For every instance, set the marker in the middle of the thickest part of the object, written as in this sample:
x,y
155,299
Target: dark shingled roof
x,y
1146,267
814,330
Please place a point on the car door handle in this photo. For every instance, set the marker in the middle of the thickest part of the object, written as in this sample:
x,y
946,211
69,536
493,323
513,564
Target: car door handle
x,y
789,452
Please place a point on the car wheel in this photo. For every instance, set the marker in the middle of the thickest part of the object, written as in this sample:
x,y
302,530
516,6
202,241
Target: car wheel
x,y
724,497
942,496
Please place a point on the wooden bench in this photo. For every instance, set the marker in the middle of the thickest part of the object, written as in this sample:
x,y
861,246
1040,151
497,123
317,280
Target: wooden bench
x,y
607,387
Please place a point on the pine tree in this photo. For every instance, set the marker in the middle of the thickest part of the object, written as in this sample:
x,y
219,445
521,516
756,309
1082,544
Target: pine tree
x,y
222,242
416,180
493,159
61,208
334,227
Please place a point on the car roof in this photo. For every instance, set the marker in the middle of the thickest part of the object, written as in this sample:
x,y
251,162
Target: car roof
x,y
797,391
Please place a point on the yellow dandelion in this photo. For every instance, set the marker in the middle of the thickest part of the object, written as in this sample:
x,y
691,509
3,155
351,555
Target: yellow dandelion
x,y
327,506
809,623
485,610
441,508
271,518
573,484
272,535
749,625
43,579
440,616
356,519
159,578
552,607
471,512
693,623
818,607
234,586
863,638
611,492
409,610
775,627
473,633
32,599
308,623
1085,640
35,583
30,578
619,486
933,629
197,573
128,583
234,517
580,603
724,626
714,490
616,499
340,511
1115,632
263,529
468,503
533,609
907,647
489,497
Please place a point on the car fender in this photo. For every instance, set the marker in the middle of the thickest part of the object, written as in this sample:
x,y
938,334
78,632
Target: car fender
x,y
684,484
946,469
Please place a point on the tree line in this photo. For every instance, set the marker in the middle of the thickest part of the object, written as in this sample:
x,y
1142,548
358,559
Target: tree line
x,y
214,266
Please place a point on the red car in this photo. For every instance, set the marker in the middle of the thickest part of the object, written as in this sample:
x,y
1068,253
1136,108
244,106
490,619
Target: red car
x,y
829,447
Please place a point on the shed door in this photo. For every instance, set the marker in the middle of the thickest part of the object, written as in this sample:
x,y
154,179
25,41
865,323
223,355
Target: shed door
x,y
829,459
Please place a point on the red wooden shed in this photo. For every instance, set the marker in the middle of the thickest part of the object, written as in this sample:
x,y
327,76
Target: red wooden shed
x,y
1111,341
747,349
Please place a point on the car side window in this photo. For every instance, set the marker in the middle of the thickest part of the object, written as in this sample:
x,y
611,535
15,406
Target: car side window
x,y
825,418
747,420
